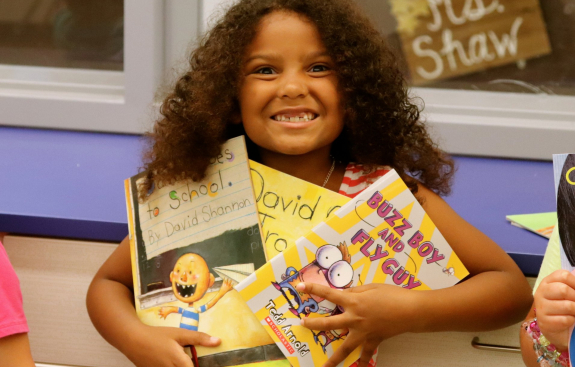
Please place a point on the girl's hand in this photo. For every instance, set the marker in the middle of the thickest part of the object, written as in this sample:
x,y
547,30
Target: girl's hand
x,y
554,302
163,346
372,313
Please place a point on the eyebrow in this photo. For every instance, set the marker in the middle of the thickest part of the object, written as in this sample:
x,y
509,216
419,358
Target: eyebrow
x,y
276,56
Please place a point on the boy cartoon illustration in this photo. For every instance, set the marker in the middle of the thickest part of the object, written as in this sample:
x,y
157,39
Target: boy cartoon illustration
x,y
191,278
331,268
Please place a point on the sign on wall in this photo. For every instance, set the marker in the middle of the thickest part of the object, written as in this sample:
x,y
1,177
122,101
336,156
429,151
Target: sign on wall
x,y
446,38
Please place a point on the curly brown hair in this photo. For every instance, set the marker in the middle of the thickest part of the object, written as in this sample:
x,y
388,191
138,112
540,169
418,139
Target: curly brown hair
x,y
382,124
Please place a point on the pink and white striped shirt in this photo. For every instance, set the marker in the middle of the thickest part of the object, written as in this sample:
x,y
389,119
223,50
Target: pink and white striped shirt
x,y
358,177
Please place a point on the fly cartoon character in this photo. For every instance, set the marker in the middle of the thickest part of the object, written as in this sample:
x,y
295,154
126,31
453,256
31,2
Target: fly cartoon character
x,y
331,268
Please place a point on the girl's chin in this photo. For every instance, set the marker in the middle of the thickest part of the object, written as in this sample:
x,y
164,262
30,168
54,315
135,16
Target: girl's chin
x,y
292,151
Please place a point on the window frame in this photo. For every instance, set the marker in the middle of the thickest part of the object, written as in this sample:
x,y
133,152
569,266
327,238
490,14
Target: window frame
x,y
105,101
498,124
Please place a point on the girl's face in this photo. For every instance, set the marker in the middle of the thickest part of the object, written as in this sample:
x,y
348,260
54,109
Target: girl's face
x,y
289,99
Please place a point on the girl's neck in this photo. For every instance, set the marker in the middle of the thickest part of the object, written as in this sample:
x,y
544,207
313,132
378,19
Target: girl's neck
x,y
313,167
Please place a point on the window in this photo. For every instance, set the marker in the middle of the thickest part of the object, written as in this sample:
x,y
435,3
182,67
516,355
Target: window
x,y
496,76
89,64
506,85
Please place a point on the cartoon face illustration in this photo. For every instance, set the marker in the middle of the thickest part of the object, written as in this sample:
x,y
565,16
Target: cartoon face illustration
x,y
448,271
330,268
191,278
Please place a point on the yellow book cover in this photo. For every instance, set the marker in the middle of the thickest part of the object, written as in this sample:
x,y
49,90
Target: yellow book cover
x,y
383,235
191,242
289,207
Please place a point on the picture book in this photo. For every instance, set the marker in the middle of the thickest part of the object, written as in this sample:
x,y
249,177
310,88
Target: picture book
x,y
383,235
289,207
191,243
539,223
564,178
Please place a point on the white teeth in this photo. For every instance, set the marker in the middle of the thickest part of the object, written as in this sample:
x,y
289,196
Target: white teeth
x,y
302,117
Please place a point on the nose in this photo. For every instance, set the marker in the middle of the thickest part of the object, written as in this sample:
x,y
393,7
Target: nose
x,y
184,277
293,85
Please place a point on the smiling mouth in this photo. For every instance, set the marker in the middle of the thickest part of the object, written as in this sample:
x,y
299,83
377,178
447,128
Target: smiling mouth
x,y
185,290
300,117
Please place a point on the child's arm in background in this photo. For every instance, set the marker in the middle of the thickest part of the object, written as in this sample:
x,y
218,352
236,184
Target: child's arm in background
x,y
14,344
496,294
110,303
15,351
554,301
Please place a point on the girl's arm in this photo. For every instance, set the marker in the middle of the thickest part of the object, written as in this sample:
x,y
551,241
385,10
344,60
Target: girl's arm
x,y
15,351
110,303
496,294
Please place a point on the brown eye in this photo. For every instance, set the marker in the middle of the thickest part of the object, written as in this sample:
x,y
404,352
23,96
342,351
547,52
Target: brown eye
x,y
265,71
319,68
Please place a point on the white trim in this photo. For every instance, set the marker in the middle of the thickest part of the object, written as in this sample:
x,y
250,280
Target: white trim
x,y
59,83
530,126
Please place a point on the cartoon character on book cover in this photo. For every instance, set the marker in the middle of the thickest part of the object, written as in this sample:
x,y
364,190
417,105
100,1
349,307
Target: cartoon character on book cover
x,y
330,268
191,279
191,243
382,235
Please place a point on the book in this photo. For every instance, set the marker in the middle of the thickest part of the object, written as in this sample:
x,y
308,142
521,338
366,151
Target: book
x,y
383,235
289,207
564,179
191,243
539,223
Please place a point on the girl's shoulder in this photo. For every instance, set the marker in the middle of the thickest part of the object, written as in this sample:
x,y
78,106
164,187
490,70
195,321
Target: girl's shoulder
x,y
358,177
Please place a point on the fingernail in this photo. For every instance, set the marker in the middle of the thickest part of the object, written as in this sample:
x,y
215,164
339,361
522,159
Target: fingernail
x,y
300,286
214,339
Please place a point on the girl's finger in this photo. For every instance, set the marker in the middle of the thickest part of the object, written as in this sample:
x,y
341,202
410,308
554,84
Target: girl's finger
x,y
556,323
322,291
558,291
327,323
366,354
348,346
188,337
561,276
558,308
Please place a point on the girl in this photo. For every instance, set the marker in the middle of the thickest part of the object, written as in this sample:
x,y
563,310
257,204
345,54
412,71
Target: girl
x,y
314,87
